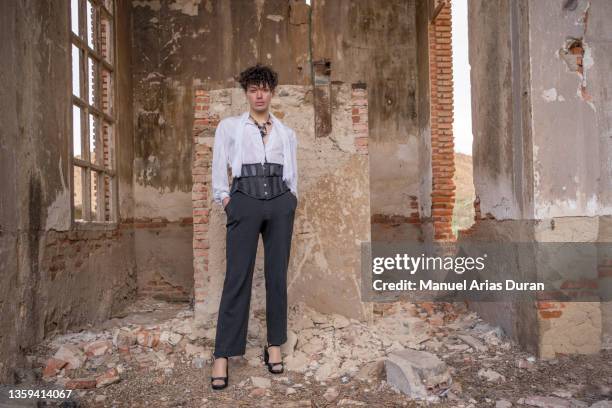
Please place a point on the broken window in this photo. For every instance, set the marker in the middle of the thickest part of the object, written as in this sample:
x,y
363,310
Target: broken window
x,y
93,114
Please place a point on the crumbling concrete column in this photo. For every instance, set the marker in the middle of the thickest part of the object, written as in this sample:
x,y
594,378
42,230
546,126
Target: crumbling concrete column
x,y
542,152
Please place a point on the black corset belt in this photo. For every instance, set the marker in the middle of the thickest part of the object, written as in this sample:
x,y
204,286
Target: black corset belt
x,y
260,181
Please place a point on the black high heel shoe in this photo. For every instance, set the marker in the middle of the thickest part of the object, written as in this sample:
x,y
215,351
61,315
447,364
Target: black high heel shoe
x,y
225,379
270,365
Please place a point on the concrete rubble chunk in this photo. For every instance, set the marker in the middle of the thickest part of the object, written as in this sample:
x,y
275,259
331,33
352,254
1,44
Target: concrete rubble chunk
x,y
289,346
72,355
123,339
372,371
472,342
193,350
602,404
81,384
339,321
98,348
331,394
547,402
197,334
491,375
324,371
347,402
175,338
318,318
53,366
414,325
416,373
257,392
185,327
298,362
111,376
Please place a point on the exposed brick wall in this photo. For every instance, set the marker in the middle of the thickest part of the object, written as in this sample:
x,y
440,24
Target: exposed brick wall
x,y
63,248
204,127
442,144
159,288
359,105
73,259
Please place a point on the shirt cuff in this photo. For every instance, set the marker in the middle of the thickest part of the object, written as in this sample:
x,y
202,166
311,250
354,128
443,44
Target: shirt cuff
x,y
222,197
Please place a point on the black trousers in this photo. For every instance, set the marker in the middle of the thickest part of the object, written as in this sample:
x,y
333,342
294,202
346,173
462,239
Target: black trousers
x,y
247,217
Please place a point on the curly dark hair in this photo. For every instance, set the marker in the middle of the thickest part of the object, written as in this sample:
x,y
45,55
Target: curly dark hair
x,y
258,74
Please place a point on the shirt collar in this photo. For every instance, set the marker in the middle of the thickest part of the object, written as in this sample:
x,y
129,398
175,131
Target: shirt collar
x,y
273,119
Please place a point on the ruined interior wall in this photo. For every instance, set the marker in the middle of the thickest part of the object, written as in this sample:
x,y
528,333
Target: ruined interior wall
x,y
502,154
552,143
178,45
54,278
572,87
375,42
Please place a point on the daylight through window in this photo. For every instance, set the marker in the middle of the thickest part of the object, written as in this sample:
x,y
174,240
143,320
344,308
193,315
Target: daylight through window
x,y
93,110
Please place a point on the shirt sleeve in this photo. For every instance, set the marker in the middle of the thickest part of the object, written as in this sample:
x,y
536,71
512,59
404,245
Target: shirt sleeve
x,y
220,185
293,185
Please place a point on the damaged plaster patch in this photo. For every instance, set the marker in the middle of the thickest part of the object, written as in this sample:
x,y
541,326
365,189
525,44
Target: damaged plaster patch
x,y
189,7
154,5
254,47
275,17
259,4
208,6
58,218
58,213
578,57
581,206
171,205
549,95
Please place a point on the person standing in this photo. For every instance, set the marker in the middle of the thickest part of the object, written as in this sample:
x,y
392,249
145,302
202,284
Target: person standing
x,y
262,199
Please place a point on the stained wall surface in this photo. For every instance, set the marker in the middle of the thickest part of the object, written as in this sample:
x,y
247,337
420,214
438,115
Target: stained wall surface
x,y
178,45
181,45
54,277
376,42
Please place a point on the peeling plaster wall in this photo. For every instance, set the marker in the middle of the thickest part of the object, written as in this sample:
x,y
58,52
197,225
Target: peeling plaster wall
x,y
572,146
178,44
54,278
181,44
375,42
572,108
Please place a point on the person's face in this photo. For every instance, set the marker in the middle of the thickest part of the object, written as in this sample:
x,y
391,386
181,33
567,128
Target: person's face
x,y
259,97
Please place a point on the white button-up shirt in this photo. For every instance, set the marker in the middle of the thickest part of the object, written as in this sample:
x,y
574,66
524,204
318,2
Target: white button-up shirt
x,y
281,147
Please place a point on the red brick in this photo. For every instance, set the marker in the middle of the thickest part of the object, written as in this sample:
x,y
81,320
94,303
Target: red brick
x,y
550,314
81,384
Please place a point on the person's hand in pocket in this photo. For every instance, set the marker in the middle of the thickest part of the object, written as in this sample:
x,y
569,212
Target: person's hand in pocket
x,y
225,202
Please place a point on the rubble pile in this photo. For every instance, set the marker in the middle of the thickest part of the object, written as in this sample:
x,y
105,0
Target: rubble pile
x,y
430,352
